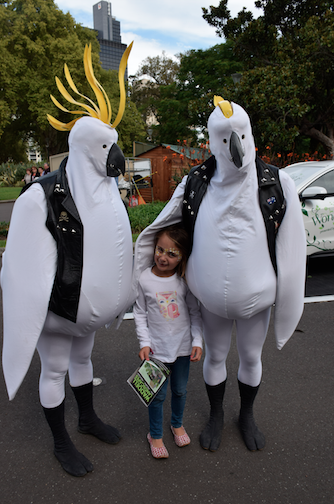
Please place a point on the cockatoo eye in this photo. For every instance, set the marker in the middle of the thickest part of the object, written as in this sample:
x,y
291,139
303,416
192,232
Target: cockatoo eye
x,y
243,136
225,141
104,146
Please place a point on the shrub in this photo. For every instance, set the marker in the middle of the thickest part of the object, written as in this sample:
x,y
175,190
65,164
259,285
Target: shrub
x,y
11,174
4,226
142,216
8,177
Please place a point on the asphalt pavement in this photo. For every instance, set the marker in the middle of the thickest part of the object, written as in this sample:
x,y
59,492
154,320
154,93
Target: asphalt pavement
x,y
294,409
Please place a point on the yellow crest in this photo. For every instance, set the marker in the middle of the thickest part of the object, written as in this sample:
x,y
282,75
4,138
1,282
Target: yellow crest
x,y
224,105
101,111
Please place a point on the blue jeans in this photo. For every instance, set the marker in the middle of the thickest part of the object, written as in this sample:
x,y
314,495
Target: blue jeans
x,y
178,385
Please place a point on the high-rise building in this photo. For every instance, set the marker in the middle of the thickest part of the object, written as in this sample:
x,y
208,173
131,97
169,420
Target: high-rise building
x,y
109,36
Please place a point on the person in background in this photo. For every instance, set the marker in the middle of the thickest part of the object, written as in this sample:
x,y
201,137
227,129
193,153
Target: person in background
x,y
27,177
34,173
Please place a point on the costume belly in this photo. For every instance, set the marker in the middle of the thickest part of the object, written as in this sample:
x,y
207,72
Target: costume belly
x,y
229,269
107,270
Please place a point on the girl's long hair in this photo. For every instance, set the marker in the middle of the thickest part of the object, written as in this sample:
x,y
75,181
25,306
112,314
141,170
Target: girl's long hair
x,y
180,237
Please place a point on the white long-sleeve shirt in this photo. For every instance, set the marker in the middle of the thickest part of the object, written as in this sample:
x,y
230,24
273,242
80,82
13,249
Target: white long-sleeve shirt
x,y
167,316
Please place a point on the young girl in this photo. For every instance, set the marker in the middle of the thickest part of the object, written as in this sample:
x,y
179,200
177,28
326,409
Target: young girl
x,y
169,326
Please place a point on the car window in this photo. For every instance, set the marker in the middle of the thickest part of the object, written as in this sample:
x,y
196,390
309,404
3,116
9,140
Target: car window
x,y
326,181
300,174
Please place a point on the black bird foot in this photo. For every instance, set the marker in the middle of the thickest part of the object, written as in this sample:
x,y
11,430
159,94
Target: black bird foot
x,y
252,437
102,431
211,435
73,462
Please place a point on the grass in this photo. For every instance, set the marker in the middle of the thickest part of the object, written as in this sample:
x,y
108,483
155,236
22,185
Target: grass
x,y
9,193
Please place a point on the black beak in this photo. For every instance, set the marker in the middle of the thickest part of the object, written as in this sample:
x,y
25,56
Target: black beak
x,y
236,149
115,162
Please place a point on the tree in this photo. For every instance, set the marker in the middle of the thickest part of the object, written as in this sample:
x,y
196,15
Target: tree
x,y
37,38
287,86
184,107
203,74
154,74
173,116
161,69
180,101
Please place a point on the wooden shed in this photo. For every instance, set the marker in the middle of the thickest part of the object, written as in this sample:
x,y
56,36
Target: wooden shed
x,y
169,163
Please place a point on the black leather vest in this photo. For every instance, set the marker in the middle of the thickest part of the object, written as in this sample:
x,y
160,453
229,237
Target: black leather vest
x,y
64,223
271,197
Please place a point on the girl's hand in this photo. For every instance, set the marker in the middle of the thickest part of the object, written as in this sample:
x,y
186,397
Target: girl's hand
x,y
196,354
144,353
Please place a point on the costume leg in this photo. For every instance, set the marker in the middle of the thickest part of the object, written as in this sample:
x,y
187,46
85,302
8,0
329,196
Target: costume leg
x,y
253,438
217,336
80,369
178,384
81,379
251,335
54,351
211,435
66,453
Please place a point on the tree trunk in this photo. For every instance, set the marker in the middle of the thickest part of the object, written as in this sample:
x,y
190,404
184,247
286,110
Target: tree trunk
x,y
326,140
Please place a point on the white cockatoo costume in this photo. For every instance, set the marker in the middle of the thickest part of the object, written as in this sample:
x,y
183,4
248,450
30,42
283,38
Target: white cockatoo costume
x,y
230,270
100,232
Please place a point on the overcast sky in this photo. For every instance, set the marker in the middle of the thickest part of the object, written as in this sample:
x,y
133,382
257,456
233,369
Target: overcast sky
x,y
173,26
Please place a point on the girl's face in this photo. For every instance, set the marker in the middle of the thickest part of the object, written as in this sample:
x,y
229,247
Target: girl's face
x,y
166,257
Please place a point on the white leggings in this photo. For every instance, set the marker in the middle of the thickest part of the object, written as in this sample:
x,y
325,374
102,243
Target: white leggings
x,y
60,353
251,335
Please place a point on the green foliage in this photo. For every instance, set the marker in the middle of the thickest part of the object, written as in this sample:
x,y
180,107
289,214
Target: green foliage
x,y
12,147
36,40
154,74
142,216
145,95
8,177
203,74
173,116
4,226
179,95
12,173
161,69
288,79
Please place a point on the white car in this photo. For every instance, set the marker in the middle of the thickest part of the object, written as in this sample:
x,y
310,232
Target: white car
x,y
315,185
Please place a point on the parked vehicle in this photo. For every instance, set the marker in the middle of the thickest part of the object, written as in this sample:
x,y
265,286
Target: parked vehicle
x,y
315,185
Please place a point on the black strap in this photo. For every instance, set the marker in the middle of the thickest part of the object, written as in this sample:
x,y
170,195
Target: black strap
x,y
196,186
272,203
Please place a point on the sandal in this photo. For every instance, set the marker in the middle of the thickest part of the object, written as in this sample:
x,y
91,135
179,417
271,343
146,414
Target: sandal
x,y
158,453
180,441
